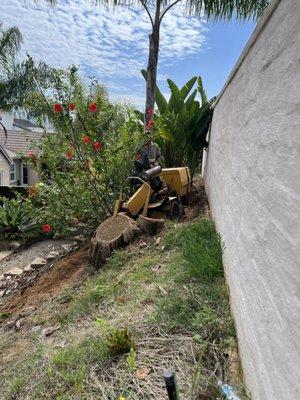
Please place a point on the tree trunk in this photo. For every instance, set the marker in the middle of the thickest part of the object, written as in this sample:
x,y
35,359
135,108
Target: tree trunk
x,y
152,66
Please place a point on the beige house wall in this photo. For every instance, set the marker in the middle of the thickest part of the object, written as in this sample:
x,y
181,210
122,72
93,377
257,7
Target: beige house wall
x,y
4,168
252,178
33,177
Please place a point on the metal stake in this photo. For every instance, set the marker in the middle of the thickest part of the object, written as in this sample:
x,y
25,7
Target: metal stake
x,y
171,385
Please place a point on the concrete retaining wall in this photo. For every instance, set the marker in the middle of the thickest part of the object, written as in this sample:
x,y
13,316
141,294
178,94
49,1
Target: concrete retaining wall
x,y
252,178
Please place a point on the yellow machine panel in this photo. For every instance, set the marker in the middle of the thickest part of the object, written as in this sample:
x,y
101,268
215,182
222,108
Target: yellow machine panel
x,y
139,200
178,179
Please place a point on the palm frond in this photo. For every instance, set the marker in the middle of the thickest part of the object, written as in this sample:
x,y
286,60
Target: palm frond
x,y
227,9
10,41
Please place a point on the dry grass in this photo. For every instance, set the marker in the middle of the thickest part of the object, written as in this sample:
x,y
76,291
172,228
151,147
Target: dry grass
x,y
178,320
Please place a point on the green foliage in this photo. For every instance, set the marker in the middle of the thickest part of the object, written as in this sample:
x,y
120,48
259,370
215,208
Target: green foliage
x,y
201,248
183,122
120,341
17,219
68,371
79,179
131,360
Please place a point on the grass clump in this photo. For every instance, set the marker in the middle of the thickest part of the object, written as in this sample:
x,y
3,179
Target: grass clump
x,y
200,247
120,341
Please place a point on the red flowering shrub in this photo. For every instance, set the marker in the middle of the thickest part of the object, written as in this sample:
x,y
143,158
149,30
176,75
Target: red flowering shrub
x,y
46,228
71,106
93,107
69,154
97,145
87,185
57,107
86,139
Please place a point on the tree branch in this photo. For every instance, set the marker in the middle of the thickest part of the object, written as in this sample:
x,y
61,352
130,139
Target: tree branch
x,y
167,9
147,11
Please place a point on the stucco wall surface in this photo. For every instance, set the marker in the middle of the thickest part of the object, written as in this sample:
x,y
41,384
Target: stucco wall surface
x,y
252,178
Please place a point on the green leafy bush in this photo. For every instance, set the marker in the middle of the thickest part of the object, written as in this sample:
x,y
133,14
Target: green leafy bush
x,y
84,162
182,122
17,219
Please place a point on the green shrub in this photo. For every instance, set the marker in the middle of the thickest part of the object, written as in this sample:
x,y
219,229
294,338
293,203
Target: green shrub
x,y
120,341
18,219
182,122
84,162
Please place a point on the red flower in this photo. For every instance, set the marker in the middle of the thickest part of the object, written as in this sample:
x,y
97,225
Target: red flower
x,y
150,124
150,111
46,228
138,157
31,154
93,107
86,139
97,146
69,154
57,107
71,106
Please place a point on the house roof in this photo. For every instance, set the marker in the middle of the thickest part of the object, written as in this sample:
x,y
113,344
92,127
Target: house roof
x,y
25,124
18,141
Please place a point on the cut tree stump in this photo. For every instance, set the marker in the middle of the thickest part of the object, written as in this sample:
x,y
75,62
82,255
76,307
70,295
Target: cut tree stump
x,y
150,226
111,234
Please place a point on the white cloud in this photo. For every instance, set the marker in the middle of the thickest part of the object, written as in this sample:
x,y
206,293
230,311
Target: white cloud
x,y
110,44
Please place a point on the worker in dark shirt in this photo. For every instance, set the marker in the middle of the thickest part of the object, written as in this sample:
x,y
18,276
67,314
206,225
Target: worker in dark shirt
x,y
150,150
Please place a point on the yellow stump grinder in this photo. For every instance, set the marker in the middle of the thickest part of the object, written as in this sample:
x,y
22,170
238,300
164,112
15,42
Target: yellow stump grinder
x,y
152,191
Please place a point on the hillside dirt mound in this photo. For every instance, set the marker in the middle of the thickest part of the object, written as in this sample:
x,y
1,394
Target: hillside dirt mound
x,y
65,272
198,203
68,271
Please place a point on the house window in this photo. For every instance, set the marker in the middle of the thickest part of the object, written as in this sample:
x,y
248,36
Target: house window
x,y
12,172
25,174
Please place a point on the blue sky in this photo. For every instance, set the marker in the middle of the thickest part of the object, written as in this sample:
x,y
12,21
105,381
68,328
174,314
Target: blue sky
x,y
112,44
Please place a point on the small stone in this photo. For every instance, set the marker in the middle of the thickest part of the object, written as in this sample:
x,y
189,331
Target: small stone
x,y
38,263
48,331
14,245
2,293
80,238
14,272
67,247
52,255
1,277
28,268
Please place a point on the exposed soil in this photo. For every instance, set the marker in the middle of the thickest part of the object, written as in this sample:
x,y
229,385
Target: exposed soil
x,y
64,272
198,204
